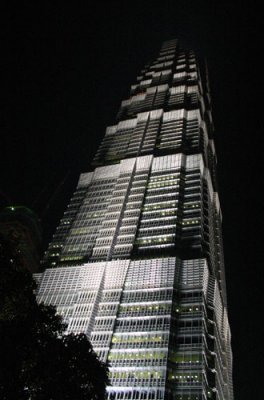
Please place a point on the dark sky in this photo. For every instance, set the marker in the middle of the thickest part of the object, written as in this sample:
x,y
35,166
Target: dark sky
x,y
66,69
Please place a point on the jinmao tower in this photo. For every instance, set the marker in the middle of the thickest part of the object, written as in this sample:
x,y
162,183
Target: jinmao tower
x,y
137,259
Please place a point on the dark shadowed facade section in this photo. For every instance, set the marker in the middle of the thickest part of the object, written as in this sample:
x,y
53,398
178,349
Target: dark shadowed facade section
x,y
21,226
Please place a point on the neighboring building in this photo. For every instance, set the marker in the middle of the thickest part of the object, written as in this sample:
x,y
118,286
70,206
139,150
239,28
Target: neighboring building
x,y
21,226
137,260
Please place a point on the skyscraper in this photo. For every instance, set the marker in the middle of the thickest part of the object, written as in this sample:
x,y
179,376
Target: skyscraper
x,y
137,260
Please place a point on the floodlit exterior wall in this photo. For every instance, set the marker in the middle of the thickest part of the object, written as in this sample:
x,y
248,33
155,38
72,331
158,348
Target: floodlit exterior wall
x,y
137,260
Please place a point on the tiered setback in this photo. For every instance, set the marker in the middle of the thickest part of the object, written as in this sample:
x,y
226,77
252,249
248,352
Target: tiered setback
x,y
137,259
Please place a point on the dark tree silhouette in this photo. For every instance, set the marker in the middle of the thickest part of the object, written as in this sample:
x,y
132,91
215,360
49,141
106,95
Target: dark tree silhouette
x,y
38,361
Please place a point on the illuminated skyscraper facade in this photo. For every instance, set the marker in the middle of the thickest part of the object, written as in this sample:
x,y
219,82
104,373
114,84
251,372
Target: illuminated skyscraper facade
x,y
137,260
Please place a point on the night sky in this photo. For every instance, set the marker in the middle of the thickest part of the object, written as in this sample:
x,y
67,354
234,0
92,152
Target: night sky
x,y
66,69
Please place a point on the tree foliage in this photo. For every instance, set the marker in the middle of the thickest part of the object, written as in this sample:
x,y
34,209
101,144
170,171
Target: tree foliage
x,y
38,361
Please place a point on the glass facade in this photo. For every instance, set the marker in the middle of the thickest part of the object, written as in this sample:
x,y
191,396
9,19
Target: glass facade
x,y
137,260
